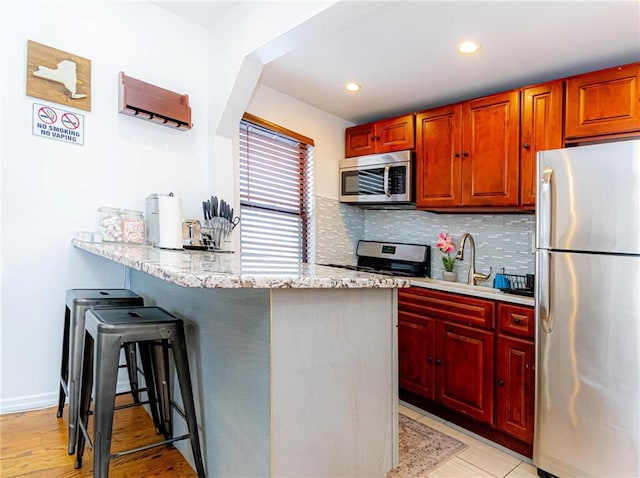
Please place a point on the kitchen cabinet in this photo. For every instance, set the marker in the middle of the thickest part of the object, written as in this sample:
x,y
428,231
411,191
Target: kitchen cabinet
x,y
416,353
515,371
464,370
540,129
450,355
603,104
438,157
393,134
469,360
467,154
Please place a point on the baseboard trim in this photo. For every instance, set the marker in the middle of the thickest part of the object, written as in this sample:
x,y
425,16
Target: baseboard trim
x,y
29,403
40,401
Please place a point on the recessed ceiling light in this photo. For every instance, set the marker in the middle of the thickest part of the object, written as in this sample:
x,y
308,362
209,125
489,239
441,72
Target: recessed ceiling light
x,y
351,86
468,47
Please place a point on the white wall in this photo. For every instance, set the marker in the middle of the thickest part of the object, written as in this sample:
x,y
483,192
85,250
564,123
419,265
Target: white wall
x,y
50,188
325,129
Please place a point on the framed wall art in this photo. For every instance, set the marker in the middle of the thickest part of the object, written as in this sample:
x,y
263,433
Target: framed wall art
x,y
58,76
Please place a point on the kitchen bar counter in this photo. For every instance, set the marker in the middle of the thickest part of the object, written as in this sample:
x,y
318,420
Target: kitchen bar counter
x,y
224,270
295,373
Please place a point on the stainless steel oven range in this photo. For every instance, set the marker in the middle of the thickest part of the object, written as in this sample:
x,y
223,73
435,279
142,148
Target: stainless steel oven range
x,y
391,258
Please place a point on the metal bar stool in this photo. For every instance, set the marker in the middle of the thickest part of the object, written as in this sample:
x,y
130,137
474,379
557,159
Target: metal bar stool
x,y
106,330
78,301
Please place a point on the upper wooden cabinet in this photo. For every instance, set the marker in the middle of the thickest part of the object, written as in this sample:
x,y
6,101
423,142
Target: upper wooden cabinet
x,y
393,134
603,103
491,133
540,129
480,155
438,157
467,154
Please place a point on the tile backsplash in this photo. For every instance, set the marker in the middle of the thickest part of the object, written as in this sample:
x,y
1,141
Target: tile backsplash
x,y
502,240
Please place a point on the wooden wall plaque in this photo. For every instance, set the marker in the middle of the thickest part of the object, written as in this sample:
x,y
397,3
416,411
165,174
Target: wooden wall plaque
x,y
58,76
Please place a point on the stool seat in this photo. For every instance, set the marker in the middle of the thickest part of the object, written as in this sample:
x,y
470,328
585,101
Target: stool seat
x,y
106,330
77,302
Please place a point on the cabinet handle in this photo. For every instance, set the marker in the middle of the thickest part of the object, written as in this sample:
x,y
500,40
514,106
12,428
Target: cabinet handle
x,y
501,382
516,320
526,146
456,155
465,154
438,362
429,359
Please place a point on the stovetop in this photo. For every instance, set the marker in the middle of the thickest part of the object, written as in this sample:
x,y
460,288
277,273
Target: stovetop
x,y
393,259
373,270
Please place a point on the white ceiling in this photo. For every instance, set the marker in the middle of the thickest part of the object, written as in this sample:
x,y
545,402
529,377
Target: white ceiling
x,y
403,52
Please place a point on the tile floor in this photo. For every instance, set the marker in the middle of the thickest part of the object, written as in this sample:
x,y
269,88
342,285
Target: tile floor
x,y
482,459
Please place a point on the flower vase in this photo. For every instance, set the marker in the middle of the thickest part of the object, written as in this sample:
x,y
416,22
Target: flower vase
x,y
450,276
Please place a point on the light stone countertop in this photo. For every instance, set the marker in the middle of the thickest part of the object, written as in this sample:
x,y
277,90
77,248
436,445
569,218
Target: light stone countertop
x,y
202,269
476,291
223,270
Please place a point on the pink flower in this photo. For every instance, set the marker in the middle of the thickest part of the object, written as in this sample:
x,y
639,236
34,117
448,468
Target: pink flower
x,y
445,243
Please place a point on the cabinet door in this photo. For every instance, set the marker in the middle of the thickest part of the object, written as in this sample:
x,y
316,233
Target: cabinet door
x,y
395,134
603,102
416,354
541,129
490,150
438,157
359,140
465,370
515,379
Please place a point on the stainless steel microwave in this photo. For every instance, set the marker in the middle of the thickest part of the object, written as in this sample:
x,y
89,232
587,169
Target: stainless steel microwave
x,y
377,178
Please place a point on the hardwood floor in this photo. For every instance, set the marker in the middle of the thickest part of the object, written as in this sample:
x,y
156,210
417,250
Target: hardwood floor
x,y
34,444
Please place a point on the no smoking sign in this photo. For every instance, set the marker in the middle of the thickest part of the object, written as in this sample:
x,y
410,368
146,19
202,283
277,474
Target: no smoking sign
x,y
53,123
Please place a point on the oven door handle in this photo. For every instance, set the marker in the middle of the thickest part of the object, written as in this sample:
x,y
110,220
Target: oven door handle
x,y
386,180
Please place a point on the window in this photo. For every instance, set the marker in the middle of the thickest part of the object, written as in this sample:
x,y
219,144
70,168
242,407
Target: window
x,y
276,196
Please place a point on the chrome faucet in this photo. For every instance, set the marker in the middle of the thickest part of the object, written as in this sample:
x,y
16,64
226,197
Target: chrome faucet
x,y
473,275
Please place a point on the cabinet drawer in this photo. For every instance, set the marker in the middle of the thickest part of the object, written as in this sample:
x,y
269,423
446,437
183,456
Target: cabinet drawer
x,y
515,319
444,305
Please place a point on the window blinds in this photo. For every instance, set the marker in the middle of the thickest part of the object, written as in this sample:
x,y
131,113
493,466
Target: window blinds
x,y
276,200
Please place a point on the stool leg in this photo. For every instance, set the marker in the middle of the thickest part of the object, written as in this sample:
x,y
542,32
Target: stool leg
x,y
163,385
76,339
132,370
108,356
64,366
85,397
184,378
149,376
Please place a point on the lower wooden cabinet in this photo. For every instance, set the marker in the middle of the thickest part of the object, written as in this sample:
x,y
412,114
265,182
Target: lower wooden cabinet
x,y
515,380
464,370
416,354
515,371
454,362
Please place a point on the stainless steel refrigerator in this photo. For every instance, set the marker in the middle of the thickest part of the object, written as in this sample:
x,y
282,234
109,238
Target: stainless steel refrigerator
x,y
588,311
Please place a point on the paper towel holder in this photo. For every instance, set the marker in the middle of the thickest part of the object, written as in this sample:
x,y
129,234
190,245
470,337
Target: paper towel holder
x,y
151,103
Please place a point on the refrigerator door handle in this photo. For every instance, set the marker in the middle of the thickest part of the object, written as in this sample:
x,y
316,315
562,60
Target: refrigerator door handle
x,y
543,284
543,233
